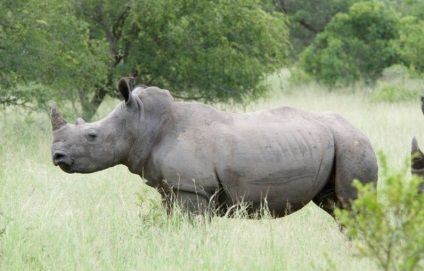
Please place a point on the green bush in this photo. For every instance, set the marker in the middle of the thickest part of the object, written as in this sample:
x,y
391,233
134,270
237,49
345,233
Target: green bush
x,y
411,43
398,83
354,46
386,224
393,93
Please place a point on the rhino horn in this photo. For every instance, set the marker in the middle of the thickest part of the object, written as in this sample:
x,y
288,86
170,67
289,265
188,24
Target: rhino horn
x,y
422,104
80,121
414,146
56,117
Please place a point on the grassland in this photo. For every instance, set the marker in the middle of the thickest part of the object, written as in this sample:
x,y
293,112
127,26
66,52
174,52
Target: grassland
x,y
111,220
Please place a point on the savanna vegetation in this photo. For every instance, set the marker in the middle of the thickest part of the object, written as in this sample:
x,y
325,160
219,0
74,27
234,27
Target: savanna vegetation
x,y
362,59
112,220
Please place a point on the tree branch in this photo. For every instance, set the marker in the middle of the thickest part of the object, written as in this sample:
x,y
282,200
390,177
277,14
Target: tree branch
x,y
307,26
117,32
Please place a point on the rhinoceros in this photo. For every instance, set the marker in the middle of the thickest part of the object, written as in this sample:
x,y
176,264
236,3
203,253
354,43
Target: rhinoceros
x,y
422,103
205,159
417,162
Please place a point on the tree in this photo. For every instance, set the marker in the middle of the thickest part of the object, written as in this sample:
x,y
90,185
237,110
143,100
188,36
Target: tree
x,y
205,50
307,19
354,46
413,8
45,52
411,43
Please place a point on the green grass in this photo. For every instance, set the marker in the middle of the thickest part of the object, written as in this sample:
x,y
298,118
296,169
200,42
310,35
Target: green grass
x,y
56,221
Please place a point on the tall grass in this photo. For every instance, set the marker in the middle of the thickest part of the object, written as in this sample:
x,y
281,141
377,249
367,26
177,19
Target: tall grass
x,y
111,220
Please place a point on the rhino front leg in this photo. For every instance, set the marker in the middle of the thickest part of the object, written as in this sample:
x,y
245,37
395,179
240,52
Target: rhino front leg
x,y
190,202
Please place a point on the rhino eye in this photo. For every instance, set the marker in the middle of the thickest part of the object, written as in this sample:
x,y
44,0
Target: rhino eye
x,y
92,135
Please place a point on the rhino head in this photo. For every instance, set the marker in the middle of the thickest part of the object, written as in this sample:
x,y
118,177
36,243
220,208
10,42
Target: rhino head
x,y
417,162
88,147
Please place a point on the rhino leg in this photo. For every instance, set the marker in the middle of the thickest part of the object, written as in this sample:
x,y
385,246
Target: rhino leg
x,y
351,162
327,198
355,161
354,158
192,203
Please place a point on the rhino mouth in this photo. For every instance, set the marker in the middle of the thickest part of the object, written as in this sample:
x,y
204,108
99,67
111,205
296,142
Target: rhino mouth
x,y
66,167
63,161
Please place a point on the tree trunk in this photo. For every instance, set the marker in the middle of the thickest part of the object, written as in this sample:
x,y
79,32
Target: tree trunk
x,y
89,109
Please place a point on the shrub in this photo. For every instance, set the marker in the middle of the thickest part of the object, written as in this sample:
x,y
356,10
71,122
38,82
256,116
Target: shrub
x,y
393,93
387,225
354,46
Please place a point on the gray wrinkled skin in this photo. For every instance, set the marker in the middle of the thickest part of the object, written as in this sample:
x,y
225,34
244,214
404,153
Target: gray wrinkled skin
x,y
417,162
209,160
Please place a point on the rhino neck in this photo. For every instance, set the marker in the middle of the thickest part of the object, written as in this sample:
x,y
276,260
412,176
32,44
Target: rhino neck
x,y
152,128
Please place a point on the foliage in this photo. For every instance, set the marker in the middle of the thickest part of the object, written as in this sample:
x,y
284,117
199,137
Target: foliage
x,y
306,21
77,50
393,93
386,225
398,83
212,51
45,52
410,8
354,46
411,43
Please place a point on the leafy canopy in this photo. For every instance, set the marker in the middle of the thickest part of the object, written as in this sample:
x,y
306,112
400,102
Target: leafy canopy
x,y
77,50
46,52
411,43
355,45
307,20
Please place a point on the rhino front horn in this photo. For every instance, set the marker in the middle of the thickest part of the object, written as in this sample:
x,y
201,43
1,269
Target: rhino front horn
x,y
57,119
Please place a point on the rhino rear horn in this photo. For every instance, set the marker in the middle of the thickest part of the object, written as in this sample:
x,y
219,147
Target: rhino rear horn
x,y
417,159
422,103
414,146
56,117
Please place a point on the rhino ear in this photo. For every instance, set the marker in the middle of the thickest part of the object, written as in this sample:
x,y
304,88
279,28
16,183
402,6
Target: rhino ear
x,y
125,89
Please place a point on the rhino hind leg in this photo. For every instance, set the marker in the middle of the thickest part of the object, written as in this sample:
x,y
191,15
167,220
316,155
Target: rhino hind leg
x,y
354,158
352,161
327,199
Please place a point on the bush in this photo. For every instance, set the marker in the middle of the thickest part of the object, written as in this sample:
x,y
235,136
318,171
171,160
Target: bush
x,y
387,226
393,93
411,43
398,83
354,46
